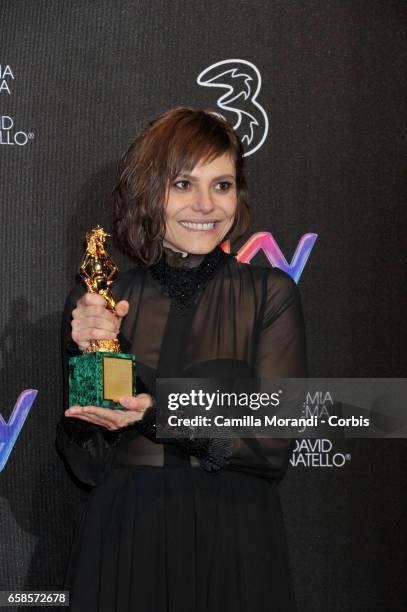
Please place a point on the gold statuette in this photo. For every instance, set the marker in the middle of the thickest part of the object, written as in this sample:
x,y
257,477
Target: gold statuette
x,y
98,272
102,374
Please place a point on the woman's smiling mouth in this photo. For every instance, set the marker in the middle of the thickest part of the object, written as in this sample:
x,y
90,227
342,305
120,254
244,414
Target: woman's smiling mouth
x,y
199,226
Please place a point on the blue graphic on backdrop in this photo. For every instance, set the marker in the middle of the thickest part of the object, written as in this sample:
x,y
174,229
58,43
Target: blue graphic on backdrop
x,y
10,431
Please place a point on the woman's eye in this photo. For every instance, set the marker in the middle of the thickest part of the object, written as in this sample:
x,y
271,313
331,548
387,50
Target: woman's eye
x,y
182,184
224,185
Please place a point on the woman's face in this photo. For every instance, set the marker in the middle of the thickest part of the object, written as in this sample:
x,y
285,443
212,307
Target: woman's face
x,y
201,206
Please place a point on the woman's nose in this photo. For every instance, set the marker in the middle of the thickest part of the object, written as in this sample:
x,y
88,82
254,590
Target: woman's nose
x,y
203,201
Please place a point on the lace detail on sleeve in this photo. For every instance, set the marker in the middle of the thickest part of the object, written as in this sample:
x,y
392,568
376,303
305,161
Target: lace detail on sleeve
x,y
212,453
218,454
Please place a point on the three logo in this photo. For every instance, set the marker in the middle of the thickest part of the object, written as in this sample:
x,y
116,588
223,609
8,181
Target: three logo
x,y
239,82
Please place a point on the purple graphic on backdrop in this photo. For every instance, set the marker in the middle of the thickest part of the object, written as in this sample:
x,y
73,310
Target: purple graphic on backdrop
x,y
10,431
265,241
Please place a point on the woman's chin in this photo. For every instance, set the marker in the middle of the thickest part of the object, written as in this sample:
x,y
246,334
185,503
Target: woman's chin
x,y
197,245
202,247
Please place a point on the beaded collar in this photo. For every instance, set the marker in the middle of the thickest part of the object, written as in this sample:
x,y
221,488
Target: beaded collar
x,y
182,282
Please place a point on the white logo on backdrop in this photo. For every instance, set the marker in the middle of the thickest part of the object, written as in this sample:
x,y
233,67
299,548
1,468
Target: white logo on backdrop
x,y
9,135
318,452
6,74
242,81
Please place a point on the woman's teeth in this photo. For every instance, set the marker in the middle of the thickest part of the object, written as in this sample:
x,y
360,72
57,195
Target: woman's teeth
x,y
197,226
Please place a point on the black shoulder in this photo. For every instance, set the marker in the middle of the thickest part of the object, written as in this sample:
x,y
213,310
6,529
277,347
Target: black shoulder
x,y
275,279
281,291
279,281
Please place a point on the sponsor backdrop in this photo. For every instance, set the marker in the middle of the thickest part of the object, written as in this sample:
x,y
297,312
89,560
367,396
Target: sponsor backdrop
x,y
315,89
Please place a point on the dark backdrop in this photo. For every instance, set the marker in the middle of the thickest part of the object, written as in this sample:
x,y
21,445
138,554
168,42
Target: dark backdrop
x,y
86,76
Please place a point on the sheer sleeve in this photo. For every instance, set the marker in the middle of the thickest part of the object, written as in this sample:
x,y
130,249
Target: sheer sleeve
x,y
281,353
212,454
87,448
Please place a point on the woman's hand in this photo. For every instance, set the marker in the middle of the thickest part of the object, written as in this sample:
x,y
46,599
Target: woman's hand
x,y
91,320
114,419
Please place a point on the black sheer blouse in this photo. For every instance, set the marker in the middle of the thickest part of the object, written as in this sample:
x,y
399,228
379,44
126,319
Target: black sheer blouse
x,y
198,316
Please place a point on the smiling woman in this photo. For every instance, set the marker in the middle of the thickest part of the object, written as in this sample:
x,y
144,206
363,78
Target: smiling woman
x,y
182,524
201,206
193,162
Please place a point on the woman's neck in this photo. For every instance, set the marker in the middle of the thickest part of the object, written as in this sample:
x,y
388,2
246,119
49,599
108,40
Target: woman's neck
x,y
173,248
181,259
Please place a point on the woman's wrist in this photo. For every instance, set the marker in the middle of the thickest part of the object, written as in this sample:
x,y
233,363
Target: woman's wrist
x,y
212,453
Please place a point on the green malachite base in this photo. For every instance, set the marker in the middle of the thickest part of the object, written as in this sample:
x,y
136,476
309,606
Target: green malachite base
x,y
90,379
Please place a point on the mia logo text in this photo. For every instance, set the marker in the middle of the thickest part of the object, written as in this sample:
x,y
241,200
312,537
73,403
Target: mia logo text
x,y
6,74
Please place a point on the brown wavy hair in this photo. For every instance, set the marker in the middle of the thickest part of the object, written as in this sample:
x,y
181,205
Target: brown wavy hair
x,y
172,143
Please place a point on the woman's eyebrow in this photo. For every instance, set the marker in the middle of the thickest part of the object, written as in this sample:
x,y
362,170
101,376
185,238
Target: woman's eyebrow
x,y
215,178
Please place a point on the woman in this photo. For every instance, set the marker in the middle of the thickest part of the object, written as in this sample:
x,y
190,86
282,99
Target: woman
x,y
178,524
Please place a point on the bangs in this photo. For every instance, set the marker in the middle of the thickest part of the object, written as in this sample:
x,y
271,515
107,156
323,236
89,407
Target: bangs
x,y
199,139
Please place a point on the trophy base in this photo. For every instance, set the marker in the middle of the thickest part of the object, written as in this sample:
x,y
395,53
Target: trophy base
x,y
101,378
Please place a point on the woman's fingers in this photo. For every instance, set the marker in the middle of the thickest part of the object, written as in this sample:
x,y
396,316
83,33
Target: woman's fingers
x,y
101,313
91,320
91,299
80,311
111,324
139,403
92,333
106,417
91,316
122,308
91,419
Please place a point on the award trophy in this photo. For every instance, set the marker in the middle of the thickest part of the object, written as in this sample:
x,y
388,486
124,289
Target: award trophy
x,y
102,374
